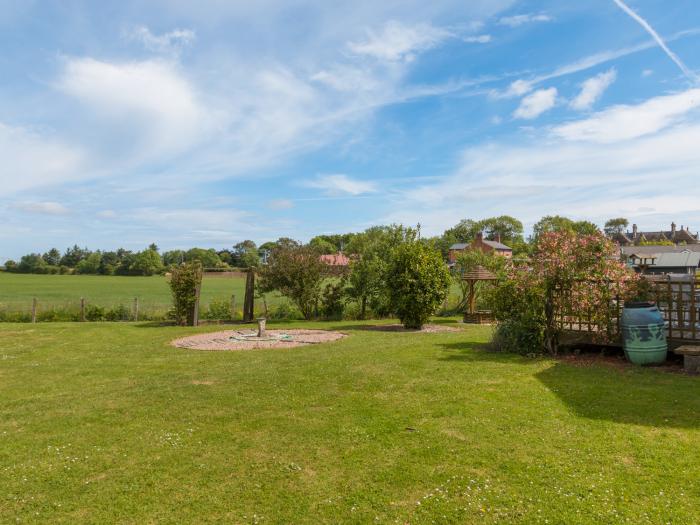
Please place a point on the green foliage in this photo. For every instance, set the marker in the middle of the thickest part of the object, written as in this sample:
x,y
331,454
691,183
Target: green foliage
x,y
208,258
297,273
417,282
218,310
184,283
615,226
32,263
119,313
147,262
94,313
333,300
557,223
91,264
52,257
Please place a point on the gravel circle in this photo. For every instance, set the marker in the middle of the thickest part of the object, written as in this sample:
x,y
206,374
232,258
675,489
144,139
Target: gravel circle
x,y
223,340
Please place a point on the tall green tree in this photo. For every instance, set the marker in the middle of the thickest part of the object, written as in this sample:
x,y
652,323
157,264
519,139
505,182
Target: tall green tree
x,y
297,272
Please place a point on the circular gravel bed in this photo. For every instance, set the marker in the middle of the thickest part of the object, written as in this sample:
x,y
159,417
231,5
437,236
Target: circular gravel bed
x,y
246,340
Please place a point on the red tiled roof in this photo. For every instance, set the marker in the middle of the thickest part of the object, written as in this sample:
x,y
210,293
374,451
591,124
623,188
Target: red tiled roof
x,y
335,259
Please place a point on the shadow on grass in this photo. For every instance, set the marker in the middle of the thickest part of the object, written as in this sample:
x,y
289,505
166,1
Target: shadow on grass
x,y
622,394
632,396
478,350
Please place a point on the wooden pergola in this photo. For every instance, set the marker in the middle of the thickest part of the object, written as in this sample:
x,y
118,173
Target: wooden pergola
x,y
472,277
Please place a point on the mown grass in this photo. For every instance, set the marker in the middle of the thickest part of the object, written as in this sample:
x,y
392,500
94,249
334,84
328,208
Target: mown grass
x,y
103,423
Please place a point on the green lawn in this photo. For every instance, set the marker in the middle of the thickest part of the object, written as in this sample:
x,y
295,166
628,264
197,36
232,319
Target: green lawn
x,y
104,423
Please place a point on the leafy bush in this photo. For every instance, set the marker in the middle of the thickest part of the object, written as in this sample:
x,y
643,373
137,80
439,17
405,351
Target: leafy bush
x,y
418,281
184,283
285,312
218,310
94,313
333,300
118,313
568,275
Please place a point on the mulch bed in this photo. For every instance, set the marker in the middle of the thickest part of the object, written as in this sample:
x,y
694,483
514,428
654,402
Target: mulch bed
x,y
241,340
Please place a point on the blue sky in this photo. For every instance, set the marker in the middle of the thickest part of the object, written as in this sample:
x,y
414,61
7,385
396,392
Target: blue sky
x,y
205,123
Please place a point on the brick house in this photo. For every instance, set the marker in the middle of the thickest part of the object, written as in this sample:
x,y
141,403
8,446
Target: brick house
x,y
674,235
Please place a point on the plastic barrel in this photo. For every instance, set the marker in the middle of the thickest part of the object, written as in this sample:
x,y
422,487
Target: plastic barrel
x,y
643,334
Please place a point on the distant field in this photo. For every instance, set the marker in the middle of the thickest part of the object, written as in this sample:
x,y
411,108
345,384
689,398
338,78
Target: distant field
x,y
17,290
65,291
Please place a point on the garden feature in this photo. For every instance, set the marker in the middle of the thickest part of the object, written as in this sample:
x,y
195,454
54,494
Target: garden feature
x,y
251,340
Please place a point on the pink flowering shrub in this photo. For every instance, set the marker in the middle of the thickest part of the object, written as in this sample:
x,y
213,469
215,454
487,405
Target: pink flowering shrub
x,y
569,276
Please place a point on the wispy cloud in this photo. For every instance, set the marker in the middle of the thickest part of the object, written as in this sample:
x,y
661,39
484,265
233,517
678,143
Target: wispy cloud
x,y
478,39
657,38
398,41
533,105
624,122
340,184
518,20
592,89
172,41
43,208
280,204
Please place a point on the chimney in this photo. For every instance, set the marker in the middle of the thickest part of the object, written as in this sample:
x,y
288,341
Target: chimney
x,y
634,230
673,227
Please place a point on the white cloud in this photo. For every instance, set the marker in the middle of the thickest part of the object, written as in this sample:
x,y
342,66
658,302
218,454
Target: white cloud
x,y
626,122
592,89
172,41
647,73
399,42
518,20
533,105
149,102
30,159
635,178
478,39
339,184
43,208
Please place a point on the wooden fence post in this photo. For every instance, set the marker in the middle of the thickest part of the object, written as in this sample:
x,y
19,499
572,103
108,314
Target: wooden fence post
x,y
195,316
136,308
249,300
82,309
34,305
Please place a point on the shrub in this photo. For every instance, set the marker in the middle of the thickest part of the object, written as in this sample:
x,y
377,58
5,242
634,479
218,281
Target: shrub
x,y
285,312
185,281
418,281
333,300
568,275
94,313
118,313
218,310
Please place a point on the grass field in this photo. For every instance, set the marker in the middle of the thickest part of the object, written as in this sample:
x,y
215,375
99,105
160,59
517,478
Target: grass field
x,y
64,291
104,423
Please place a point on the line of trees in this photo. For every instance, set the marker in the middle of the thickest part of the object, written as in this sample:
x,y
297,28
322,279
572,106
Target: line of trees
x,y
247,254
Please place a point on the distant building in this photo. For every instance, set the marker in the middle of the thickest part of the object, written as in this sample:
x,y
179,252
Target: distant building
x,y
479,243
674,235
336,259
682,261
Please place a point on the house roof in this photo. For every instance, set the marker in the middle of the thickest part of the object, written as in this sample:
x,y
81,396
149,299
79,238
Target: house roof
x,y
497,245
686,259
335,259
681,259
644,250
459,246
